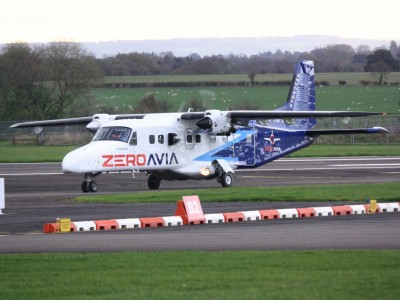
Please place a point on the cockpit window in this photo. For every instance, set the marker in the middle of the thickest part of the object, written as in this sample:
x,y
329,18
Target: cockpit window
x,y
121,134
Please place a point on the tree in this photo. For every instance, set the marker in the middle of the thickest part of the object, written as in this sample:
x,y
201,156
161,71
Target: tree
x,y
44,82
381,63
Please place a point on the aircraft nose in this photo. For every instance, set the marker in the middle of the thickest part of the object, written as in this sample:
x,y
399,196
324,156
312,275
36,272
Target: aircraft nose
x,y
72,162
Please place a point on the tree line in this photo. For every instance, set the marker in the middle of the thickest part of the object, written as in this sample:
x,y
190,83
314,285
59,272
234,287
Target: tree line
x,y
332,58
53,80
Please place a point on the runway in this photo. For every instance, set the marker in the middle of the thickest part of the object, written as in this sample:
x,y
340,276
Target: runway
x,y
39,193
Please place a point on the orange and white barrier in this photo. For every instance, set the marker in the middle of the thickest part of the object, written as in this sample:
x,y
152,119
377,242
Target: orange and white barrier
x,y
214,218
190,212
288,213
172,221
84,226
306,212
323,211
251,215
388,207
342,210
129,223
358,209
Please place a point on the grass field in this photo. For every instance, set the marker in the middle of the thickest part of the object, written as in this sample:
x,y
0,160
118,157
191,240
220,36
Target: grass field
x,y
319,193
202,275
352,79
358,98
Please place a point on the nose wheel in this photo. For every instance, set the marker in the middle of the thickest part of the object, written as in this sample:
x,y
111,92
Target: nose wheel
x,y
89,185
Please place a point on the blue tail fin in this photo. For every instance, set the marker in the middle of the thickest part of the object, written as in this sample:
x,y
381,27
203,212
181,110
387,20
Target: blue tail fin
x,y
301,97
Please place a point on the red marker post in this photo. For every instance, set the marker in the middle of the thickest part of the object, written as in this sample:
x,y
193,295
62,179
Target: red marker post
x,y
190,210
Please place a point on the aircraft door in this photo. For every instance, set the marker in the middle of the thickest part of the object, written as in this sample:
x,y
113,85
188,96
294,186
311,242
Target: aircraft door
x,y
189,141
245,150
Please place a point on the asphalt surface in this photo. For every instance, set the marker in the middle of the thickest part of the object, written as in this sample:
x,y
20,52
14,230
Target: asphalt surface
x,y
39,193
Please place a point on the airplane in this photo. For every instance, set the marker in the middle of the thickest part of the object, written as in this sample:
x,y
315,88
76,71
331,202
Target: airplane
x,y
200,145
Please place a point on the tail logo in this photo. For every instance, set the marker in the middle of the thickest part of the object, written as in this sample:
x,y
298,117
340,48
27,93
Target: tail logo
x,y
272,148
272,139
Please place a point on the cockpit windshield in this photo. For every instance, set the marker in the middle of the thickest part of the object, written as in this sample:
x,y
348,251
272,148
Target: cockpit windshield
x,y
117,133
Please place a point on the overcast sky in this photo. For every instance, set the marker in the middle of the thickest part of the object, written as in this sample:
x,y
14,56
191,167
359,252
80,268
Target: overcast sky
x,y
107,20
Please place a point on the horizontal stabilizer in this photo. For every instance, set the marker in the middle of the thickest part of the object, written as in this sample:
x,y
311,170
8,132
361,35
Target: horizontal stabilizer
x,y
315,133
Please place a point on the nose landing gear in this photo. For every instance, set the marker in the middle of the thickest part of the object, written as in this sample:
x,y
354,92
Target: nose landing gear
x,y
89,185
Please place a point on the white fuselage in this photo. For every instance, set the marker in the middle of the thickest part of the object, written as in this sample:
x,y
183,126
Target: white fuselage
x,y
157,143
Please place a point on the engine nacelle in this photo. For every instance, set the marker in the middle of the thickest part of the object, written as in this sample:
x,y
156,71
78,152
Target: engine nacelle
x,y
215,122
98,121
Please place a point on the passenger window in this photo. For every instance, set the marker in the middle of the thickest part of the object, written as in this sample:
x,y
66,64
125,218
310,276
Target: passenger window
x,y
152,139
133,141
224,139
198,138
213,138
189,138
161,139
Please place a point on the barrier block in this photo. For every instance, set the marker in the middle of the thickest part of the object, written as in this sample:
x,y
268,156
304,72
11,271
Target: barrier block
x,y
306,212
269,214
323,211
358,209
106,224
288,213
152,222
342,210
50,227
388,207
233,217
128,223
251,215
84,226
214,218
172,221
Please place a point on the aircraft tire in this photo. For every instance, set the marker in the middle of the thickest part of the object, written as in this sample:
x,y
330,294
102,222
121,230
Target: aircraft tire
x,y
153,182
85,187
93,186
226,179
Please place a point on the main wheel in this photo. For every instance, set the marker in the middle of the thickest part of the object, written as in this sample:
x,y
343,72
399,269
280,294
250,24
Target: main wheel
x,y
153,182
85,187
93,186
226,179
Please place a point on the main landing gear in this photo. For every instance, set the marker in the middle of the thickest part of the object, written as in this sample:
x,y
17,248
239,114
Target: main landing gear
x,y
226,179
153,182
224,172
89,185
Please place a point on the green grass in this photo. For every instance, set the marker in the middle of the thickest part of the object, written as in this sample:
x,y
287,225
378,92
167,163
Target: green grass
x,y
322,150
32,154
203,275
321,193
333,78
357,98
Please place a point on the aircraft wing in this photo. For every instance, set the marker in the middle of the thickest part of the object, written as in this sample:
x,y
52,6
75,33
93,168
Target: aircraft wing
x,y
277,114
239,115
81,120
96,120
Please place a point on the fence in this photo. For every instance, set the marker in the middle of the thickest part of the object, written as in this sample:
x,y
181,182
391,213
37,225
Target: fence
x,y
77,134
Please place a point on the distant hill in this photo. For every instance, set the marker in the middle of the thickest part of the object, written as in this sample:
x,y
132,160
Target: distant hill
x,y
226,46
